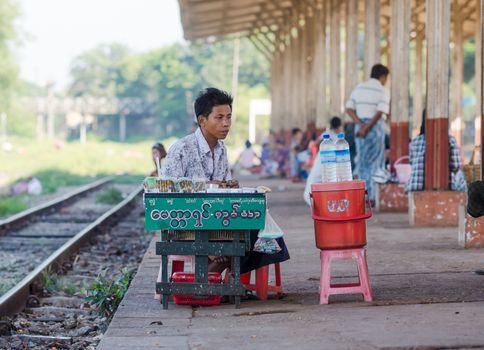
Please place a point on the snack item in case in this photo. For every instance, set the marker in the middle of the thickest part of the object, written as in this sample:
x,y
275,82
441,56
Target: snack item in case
x,y
149,184
229,184
165,184
263,189
184,185
199,185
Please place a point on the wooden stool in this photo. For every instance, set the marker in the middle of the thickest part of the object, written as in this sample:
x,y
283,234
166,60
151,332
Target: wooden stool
x,y
261,286
326,288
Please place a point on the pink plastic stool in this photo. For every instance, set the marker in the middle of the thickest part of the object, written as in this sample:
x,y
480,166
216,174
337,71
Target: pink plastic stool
x,y
326,288
261,286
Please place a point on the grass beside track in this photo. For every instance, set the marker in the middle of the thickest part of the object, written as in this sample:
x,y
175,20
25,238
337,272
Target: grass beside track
x,y
29,157
58,164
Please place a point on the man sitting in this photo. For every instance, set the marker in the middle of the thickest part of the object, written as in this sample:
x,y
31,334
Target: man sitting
x,y
203,155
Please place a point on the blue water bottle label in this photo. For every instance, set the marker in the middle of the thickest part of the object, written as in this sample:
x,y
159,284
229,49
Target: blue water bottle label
x,y
343,156
327,156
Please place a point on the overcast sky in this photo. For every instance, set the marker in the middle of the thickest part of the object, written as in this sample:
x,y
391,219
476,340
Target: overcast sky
x,y
56,31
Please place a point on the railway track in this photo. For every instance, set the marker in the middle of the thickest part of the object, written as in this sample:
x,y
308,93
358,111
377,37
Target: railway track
x,y
22,218
45,236
92,240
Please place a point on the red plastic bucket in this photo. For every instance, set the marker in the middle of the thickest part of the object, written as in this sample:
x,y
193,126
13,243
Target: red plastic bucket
x,y
338,211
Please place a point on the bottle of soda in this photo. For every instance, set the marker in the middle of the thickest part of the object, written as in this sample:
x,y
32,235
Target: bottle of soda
x,y
343,159
327,155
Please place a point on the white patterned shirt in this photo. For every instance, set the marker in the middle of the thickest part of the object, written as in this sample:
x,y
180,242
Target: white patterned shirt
x,y
368,98
191,157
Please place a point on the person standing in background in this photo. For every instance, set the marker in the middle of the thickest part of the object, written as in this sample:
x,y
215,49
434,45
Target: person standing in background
x,y
367,105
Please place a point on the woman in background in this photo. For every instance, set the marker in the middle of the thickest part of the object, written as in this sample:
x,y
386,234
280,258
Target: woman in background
x,y
157,151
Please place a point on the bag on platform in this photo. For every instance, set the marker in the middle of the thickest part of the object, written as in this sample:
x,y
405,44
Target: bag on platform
x,y
271,228
266,242
381,176
266,246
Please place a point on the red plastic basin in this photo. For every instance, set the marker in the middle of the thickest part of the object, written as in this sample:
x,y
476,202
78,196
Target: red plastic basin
x,y
186,277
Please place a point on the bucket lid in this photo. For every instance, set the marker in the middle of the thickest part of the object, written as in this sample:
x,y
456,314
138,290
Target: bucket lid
x,y
338,186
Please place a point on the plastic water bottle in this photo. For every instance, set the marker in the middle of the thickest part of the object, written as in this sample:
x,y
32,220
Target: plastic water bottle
x,y
343,159
327,154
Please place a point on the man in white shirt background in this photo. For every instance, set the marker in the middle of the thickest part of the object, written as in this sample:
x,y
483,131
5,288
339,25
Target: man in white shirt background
x,y
368,105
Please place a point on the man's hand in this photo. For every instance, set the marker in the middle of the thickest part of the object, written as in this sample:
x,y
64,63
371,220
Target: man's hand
x,y
219,259
216,182
364,129
352,113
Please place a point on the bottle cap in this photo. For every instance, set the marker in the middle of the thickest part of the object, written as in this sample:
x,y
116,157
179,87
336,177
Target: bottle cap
x,y
341,135
326,136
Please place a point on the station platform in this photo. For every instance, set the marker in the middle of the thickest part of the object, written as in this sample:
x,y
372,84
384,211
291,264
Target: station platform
x,y
425,291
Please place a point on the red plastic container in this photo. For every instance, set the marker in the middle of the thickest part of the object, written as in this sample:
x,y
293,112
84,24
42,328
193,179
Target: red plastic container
x,y
339,214
184,277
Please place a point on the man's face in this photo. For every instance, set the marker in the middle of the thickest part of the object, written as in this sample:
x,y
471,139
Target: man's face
x,y
218,122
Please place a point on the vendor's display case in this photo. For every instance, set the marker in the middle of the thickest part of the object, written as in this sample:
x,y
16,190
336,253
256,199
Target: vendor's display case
x,y
202,225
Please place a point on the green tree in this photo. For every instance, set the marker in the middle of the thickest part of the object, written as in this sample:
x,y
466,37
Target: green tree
x,y
163,76
97,72
8,69
214,63
19,120
169,76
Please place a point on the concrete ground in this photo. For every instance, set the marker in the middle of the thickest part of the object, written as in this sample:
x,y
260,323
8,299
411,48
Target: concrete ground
x,y
426,295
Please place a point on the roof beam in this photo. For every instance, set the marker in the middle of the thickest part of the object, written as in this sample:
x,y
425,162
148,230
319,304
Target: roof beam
x,y
273,15
260,47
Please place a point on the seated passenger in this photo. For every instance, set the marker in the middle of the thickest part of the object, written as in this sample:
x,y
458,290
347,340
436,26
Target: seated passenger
x,y
269,165
416,182
295,148
203,155
281,157
247,158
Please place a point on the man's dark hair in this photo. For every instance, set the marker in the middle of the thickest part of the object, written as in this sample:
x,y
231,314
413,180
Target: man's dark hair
x,y
335,123
209,98
379,70
294,131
